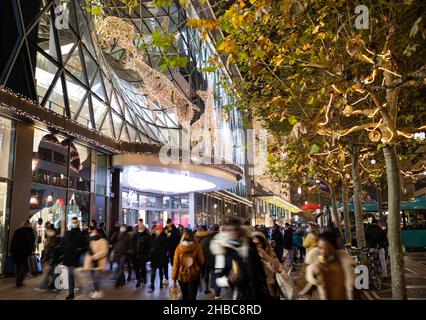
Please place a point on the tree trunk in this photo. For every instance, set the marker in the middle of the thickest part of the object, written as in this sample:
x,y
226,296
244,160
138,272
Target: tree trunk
x,y
399,291
335,213
359,220
345,201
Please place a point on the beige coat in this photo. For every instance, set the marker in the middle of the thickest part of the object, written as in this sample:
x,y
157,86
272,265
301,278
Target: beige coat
x,y
347,262
100,253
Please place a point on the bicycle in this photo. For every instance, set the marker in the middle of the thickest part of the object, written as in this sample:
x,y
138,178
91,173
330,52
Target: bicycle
x,y
373,264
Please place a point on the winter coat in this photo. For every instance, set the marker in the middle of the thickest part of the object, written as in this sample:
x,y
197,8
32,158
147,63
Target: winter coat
x,y
192,249
297,239
200,235
173,239
23,244
205,247
318,280
52,253
73,246
288,238
375,236
242,260
124,245
96,258
141,244
159,255
310,242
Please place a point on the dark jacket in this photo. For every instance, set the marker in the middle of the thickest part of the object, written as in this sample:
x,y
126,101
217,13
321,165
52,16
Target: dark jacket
x,y
74,244
375,236
124,244
173,240
209,258
141,244
159,252
52,253
288,238
23,243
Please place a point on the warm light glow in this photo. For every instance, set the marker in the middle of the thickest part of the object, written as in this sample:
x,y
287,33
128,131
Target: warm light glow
x,y
299,190
49,198
373,161
34,164
167,182
33,200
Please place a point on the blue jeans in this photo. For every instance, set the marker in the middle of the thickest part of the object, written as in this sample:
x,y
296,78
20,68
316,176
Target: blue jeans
x,y
71,283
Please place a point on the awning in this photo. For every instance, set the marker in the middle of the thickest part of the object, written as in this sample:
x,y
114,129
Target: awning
x,y
234,197
281,203
417,204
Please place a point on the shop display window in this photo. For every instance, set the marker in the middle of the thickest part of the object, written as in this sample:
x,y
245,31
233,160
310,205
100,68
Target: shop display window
x,y
78,206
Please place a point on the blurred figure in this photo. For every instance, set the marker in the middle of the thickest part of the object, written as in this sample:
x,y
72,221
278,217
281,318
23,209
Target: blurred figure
x,y
201,233
173,236
330,270
113,237
288,242
129,260
270,262
96,259
237,263
142,247
298,245
102,230
159,257
21,248
335,231
122,252
278,242
93,223
376,241
208,269
51,258
187,265
73,246
311,239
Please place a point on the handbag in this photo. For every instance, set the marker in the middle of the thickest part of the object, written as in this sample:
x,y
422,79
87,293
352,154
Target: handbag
x,y
175,292
286,286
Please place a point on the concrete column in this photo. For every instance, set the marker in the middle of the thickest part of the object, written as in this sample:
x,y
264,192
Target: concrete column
x,y
22,177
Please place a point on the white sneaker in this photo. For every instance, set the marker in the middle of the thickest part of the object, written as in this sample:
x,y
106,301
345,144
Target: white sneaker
x,y
165,282
97,295
218,297
93,294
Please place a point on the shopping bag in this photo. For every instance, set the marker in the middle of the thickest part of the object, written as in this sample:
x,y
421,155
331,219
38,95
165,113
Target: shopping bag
x,y
31,265
285,284
38,264
175,293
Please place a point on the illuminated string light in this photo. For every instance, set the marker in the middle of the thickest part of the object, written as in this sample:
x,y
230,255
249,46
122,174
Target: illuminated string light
x,y
391,72
326,112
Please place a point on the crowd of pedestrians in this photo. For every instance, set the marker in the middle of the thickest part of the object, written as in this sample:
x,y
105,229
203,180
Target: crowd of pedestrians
x,y
253,263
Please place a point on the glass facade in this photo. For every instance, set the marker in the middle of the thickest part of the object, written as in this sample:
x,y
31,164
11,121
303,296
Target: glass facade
x,y
7,143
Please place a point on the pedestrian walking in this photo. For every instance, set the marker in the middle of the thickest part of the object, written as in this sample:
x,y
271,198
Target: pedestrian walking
x,y
51,257
73,246
159,257
278,242
22,248
376,241
173,236
288,242
113,238
142,247
122,252
330,271
187,265
96,259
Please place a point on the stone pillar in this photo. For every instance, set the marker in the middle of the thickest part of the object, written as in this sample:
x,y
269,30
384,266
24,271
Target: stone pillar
x,y
22,176
116,199
191,217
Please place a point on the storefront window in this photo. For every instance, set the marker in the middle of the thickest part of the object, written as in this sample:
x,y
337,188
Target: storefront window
x,y
80,167
7,138
78,206
47,205
4,221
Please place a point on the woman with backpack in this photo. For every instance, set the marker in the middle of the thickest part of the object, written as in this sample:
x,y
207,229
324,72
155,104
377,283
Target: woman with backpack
x,y
187,265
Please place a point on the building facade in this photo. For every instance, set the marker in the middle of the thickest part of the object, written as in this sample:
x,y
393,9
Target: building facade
x,y
87,105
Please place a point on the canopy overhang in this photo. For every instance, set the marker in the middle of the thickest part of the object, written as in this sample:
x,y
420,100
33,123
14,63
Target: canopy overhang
x,y
280,202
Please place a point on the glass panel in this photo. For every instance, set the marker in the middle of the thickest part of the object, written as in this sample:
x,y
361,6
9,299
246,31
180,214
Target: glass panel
x,y
107,128
98,87
46,39
50,161
117,121
44,74
55,101
100,214
76,94
84,115
75,66
4,221
47,206
78,206
7,141
124,134
91,66
101,173
80,167
99,110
